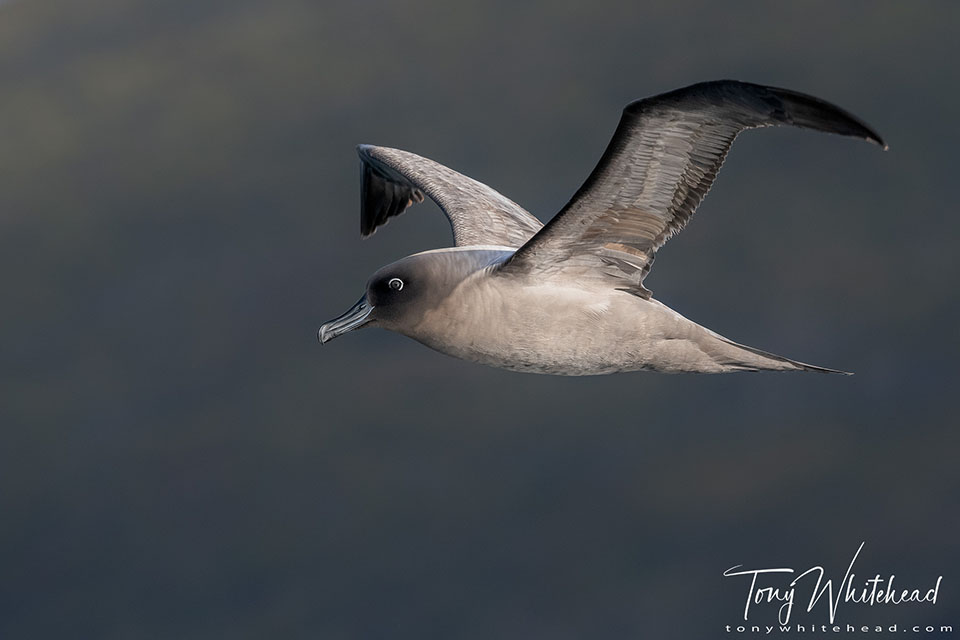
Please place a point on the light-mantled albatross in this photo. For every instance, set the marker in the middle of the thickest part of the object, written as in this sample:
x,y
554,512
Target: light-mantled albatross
x,y
567,298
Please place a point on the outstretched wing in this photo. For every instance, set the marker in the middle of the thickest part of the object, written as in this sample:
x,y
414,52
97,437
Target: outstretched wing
x,y
393,180
659,165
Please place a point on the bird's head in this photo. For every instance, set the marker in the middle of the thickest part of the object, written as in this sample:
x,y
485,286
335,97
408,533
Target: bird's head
x,y
399,294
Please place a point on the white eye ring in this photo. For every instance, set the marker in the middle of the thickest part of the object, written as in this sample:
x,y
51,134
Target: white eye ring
x,y
396,284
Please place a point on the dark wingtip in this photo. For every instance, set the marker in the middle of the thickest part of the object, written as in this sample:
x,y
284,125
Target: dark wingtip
x,y
777,106
875,138
384,192
370,221
804,110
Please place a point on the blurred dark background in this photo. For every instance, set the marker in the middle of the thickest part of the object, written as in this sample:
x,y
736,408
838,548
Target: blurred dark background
x,y
179,192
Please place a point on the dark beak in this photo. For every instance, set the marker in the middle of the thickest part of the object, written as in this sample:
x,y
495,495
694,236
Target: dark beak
x,y
357,316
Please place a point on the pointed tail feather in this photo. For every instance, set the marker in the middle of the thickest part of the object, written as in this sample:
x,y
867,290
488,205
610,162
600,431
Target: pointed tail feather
x,y
785,364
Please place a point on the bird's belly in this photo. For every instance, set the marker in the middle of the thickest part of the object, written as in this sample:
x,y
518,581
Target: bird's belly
x,y
559,331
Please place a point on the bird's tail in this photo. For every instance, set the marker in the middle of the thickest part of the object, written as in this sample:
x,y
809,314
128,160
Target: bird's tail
x,y
751,359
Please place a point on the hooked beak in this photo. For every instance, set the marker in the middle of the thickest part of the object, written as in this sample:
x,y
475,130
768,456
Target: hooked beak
x,y
357,316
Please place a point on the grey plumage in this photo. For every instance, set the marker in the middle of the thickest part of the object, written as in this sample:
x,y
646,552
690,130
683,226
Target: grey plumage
x,y
662,160
568,298
393,180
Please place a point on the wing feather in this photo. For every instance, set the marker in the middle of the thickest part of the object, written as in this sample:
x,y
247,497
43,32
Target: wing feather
x,y
393,180
662,160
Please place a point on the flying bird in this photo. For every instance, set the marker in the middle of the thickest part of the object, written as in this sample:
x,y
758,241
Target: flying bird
x,y
568,297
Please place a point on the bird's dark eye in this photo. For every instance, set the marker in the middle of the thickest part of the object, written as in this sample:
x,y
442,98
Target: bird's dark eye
x,y
395,283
